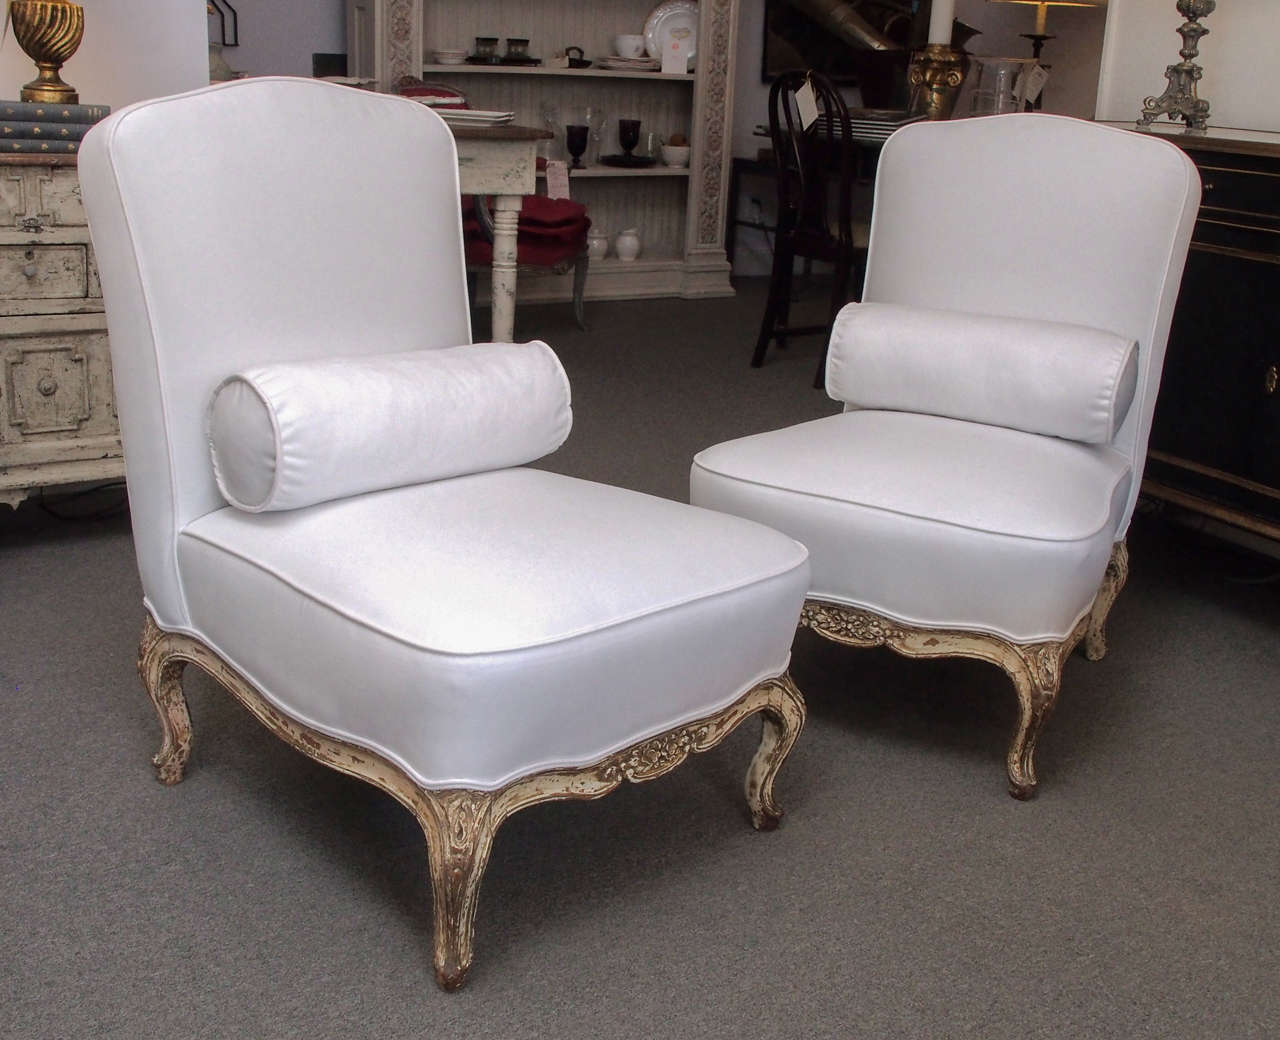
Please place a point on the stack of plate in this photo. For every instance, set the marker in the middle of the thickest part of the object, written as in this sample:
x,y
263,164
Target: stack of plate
x,y
872,124
620,64
474,117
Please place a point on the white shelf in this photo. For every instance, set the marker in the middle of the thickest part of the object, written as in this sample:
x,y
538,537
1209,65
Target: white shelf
x,y
543,70
680,212
618,171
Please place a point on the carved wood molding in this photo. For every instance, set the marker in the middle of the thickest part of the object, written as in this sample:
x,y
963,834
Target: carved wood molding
x,y
403,56
1034,668
460,823
715,59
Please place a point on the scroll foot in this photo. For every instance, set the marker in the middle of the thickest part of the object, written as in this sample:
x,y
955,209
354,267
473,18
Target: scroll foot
x,y
161,674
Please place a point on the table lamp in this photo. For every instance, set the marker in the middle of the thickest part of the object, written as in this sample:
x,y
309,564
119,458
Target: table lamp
x,y
1038,37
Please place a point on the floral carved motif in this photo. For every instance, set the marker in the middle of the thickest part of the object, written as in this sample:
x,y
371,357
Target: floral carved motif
x,y
1035,669
848,625
651,759
399,56
714,60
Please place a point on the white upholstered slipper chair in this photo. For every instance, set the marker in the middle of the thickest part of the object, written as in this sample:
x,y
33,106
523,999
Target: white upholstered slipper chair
x,y
329,507
998,380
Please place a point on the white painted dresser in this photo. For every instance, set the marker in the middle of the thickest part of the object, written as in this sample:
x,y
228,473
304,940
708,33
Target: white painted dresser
x,y
57,411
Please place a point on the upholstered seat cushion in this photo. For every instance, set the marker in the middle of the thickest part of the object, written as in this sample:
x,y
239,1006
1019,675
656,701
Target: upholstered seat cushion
x,y
488,626
1005,532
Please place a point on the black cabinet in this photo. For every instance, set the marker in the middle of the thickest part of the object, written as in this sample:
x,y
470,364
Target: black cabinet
x,y
1215,442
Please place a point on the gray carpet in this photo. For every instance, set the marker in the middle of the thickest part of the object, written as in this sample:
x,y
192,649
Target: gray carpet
x,y
905,895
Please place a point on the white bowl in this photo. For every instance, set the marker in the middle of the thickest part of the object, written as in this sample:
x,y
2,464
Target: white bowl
x,y
675,155
450,57
629,45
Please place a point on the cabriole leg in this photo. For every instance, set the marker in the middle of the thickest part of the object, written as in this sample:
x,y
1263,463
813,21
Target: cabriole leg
x,y
459,826
1095,637
782,721
161,674
1037,681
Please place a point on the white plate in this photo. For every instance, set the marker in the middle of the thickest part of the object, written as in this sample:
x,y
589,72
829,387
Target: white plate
x,y
672,16
629,66
474,115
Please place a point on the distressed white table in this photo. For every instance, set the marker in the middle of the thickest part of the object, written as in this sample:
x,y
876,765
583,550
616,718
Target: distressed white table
x,y
500,161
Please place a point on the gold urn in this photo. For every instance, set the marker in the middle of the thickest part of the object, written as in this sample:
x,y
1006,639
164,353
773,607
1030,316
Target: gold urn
x,y
49,31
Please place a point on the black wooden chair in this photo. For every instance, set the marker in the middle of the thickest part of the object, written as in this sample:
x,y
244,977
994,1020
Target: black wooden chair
x,y
809,161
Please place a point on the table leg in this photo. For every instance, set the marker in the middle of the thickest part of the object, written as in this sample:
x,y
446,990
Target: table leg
x,y
506,217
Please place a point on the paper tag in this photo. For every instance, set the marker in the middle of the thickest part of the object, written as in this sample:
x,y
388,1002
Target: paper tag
x,y
557,179
675,56
1036,79
806,105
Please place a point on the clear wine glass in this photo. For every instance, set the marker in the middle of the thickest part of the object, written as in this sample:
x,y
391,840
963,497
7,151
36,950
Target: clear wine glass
x,y
595,118
550,113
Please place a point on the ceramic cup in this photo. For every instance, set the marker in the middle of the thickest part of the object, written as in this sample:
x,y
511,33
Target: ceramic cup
x,y
597,243
675,155
627,244
629,45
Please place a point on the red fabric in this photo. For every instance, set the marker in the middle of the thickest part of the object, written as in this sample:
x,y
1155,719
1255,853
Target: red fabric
x,y
538,211
550,232
456,99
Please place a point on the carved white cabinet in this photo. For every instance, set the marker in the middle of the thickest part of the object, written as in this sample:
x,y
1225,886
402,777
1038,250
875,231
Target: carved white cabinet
x,y
57,413
680,213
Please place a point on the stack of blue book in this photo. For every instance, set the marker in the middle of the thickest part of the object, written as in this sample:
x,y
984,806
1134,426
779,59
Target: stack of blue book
x,y
35,128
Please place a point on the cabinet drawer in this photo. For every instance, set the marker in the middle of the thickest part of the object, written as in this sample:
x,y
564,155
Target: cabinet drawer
x,y
35,198
55,386
1242,190
1239,203
44,272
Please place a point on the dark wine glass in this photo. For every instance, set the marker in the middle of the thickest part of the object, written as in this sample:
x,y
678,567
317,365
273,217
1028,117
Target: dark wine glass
x,y
575,140
628,134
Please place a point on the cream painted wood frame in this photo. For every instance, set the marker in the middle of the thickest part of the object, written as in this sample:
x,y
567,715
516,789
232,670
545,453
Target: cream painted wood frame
x,y
460,823
1035,668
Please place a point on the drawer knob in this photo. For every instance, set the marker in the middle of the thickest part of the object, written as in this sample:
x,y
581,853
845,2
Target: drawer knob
x,y
29,270
1271,380
48,386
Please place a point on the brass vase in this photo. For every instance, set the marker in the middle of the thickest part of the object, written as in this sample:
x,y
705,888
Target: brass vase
x,y
49,31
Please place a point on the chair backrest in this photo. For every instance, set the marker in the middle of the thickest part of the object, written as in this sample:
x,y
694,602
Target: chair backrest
x,y
1039,216
807,157
255,221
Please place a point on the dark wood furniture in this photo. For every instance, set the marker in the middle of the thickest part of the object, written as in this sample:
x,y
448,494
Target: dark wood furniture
x,y
1215,442
807,228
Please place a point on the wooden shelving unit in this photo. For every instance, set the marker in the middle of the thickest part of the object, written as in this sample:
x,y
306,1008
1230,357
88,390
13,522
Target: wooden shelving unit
x,y
680,212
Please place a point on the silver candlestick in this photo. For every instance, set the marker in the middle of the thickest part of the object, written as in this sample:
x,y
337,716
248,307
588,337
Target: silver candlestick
x,y
1179,99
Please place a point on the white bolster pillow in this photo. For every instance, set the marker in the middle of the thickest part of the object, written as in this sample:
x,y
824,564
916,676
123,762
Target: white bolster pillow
x,y
1044,377
294,433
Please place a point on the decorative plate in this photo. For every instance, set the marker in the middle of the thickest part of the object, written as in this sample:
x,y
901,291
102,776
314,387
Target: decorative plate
x,y
674,16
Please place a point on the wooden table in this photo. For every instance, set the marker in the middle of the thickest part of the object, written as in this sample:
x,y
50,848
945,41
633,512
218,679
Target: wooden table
x,y
500,161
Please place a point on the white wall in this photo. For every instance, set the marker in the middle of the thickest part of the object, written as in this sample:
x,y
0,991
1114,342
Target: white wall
x,y
1238,56
278,37
132,49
